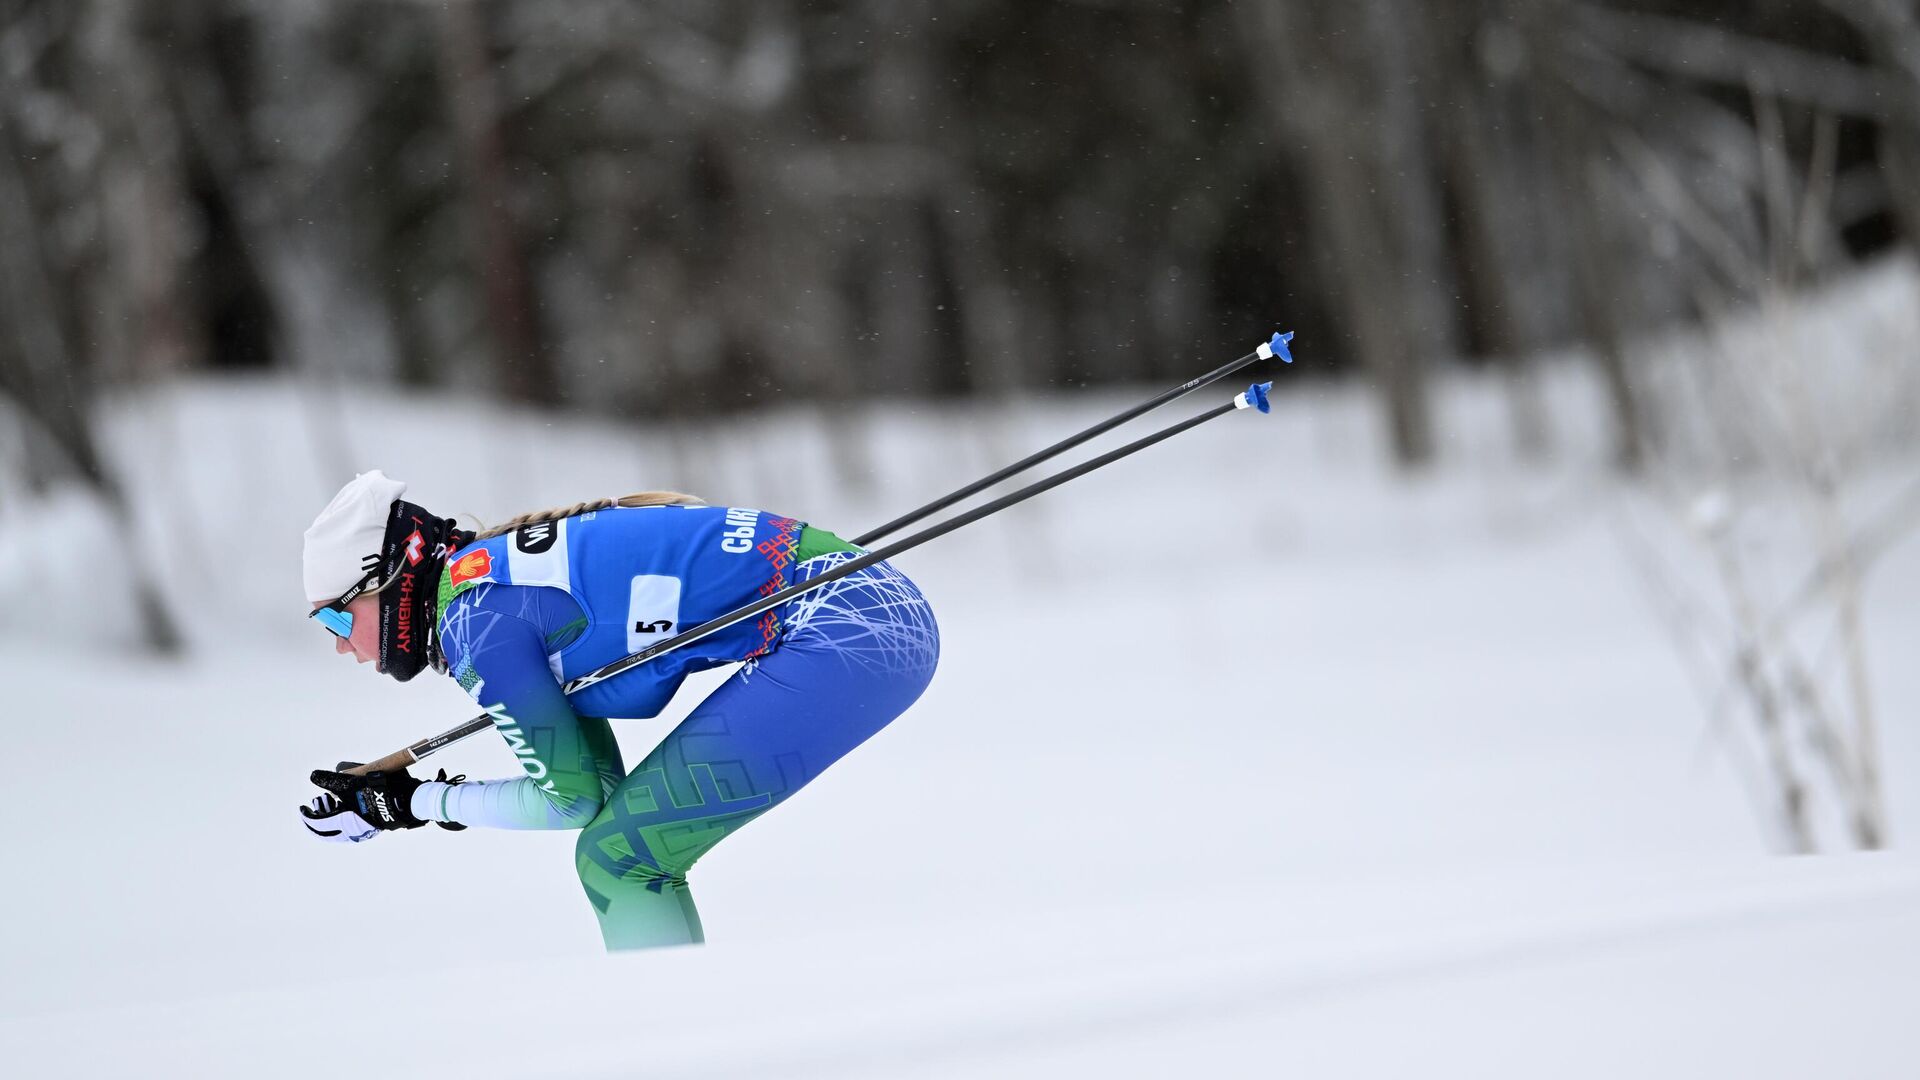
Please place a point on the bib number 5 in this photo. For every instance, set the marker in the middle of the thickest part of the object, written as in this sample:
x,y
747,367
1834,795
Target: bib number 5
x,y
653,610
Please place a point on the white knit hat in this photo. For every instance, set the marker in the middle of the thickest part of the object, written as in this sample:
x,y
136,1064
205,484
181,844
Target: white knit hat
x,y
350,529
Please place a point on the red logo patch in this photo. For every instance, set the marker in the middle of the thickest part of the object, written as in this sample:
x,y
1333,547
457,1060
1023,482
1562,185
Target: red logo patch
x,y
416,546
472,566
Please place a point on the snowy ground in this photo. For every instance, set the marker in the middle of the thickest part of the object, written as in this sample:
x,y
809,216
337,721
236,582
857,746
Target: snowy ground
x,y
1245,759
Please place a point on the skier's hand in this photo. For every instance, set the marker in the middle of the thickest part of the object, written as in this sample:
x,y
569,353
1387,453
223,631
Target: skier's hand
x,y
381,800
355,808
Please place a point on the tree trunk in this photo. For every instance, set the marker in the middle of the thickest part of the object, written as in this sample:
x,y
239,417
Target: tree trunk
x,y
88,300
1346,94
1483,162
526,370
1596,232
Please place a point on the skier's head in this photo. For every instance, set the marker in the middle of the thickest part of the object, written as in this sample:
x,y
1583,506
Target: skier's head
x,y
371,567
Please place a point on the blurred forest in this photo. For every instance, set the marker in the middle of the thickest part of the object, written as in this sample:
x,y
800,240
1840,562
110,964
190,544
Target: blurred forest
x,y
685,206
682,208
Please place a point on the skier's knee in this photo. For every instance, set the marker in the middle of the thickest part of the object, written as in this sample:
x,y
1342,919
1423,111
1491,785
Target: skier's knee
x,y
607,856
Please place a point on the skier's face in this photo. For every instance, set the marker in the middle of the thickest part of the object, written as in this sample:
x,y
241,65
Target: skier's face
x,y
364,641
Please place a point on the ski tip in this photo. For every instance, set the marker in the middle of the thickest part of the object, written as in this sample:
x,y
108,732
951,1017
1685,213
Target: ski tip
x,y
1277,346
1255,397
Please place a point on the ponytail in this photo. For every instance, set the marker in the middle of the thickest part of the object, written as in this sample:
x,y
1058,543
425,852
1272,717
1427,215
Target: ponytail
x,y
638,499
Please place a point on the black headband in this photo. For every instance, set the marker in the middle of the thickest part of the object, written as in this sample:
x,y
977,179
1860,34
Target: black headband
x,y
411,556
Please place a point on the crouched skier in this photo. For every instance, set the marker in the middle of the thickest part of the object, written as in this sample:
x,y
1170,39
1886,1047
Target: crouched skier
x,y
516,612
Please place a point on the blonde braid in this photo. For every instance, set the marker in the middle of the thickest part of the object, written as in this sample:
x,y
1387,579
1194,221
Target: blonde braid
x,y
638,499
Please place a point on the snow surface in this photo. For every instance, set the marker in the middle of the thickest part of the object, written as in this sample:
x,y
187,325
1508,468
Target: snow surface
x,y
1246,758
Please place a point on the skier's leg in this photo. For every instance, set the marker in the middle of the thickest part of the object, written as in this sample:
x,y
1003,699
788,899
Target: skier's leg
x,y
602,751
855,655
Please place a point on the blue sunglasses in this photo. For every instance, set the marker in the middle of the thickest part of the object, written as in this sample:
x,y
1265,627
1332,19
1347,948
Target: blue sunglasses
x,y
335,616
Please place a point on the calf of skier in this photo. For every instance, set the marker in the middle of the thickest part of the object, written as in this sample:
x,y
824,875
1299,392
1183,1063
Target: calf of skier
x,y
515,612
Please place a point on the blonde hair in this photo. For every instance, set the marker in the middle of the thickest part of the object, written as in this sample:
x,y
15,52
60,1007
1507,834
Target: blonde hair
x,y
638,499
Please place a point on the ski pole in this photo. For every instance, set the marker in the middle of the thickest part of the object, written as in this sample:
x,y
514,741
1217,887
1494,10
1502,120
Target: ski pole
x,y
1267,350
406,756
1254,397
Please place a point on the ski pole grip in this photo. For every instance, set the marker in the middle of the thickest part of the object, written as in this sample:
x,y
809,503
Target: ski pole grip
x,y
399,759
406,756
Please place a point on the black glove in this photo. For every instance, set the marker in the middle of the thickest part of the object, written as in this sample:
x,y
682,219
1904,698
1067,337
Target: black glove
x,y
356,808
381,799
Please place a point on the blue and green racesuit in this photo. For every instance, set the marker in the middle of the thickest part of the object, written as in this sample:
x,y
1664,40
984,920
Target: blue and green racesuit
x,y
524,612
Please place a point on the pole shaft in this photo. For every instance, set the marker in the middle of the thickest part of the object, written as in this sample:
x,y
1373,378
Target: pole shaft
x,y
1055,450
932,532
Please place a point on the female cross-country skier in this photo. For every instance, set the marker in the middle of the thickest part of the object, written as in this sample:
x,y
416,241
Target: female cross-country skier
x,y
517,611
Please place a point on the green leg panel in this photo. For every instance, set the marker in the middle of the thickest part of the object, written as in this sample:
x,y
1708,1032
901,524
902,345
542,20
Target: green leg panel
x,y
638,919
639,905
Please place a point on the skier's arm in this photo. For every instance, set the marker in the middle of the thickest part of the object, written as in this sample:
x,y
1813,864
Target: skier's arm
x,y
570,761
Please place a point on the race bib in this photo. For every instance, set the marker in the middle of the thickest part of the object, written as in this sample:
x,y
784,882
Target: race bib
x,y
653,611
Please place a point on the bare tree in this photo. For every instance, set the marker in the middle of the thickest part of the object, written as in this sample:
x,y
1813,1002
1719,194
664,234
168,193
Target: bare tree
x,y
511,312
1489,148
1778,444
92,273
1347,95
